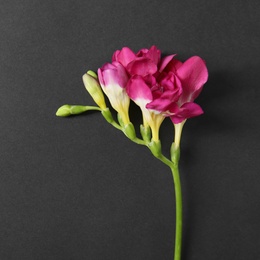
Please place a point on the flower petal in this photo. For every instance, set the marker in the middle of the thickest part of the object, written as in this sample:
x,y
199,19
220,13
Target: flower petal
x,y
153,54
193,74
137,89
187,110
142,67
111,74
125,56
159,104
165,61
173,66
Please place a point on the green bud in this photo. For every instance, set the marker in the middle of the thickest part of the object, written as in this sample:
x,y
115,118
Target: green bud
x,y
107,115
63,111
129,131
145,132
67,110
155,147
175,153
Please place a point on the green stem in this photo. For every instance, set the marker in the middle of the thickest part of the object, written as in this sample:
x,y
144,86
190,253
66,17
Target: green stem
x,y
92,108
165,160
178,199
116,125
139,141
178,202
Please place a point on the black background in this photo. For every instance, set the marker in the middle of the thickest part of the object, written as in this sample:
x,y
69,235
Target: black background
x,y
77,188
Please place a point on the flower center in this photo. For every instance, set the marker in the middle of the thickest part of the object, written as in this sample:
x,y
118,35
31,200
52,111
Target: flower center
x,y
161,89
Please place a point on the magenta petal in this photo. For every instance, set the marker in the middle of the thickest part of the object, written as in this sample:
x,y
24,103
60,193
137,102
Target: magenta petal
x,y
190,109
125,56
142,53
111,74
142,67
100,77
150,80
165,61
122,76
187,110
172,95
154,54
160,104
115,55
177,119
137,89
193,74
173,66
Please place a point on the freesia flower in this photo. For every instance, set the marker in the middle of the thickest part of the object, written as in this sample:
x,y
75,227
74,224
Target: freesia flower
x,y
161,87
113,79
179,84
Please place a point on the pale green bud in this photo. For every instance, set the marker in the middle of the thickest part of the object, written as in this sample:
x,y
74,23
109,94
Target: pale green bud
x,y
93,87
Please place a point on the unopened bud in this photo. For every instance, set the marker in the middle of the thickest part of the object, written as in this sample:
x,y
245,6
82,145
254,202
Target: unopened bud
x,y
93,87
67,110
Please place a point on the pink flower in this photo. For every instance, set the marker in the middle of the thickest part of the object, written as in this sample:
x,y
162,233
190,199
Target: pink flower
x,y
113,79
178,85
160,87
163,87
142,63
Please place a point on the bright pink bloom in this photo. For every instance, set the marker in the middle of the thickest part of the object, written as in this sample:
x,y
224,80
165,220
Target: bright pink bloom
x,y
163,86
178,85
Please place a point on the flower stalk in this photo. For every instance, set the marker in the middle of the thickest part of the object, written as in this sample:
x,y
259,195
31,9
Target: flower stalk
x,y
155,148
178,206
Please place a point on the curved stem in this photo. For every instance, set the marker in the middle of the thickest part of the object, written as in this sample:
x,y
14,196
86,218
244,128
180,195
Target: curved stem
x,y
178,199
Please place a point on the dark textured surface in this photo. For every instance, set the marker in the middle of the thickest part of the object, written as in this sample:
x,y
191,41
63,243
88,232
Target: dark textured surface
x,y
76,188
